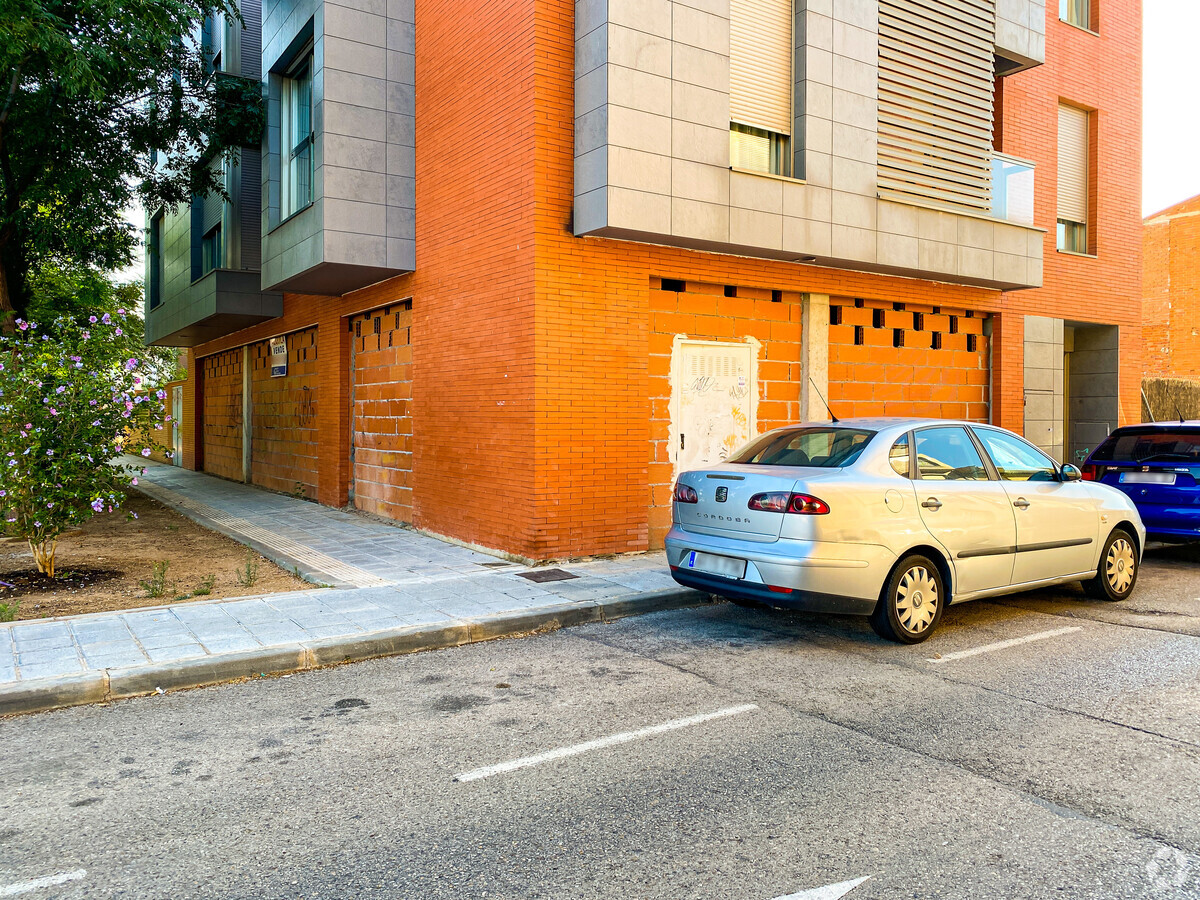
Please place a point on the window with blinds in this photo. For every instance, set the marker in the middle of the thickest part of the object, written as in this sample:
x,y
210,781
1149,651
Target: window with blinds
x,y
936,83
1073,127
760,85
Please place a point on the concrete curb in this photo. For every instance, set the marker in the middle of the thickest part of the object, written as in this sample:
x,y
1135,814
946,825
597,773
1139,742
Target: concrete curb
x,y
40,695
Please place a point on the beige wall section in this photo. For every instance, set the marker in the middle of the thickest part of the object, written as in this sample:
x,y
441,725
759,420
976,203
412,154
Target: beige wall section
x,y
1044,414
652,149
1021,32
814,357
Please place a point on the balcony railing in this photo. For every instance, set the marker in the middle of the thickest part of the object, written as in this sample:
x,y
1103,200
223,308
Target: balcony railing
x,y
1012,189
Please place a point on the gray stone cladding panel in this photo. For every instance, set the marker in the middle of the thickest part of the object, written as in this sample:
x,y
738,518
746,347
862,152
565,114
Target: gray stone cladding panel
x,y
363,215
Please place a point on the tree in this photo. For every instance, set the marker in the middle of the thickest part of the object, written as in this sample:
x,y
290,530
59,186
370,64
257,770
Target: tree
x,y
68,399
101,100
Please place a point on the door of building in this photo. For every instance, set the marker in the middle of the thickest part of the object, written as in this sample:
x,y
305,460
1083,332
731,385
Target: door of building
x,y
381,411
177,425
714,401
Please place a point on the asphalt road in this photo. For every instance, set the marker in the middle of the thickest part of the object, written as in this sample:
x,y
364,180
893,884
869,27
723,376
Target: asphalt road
x,y
1067,765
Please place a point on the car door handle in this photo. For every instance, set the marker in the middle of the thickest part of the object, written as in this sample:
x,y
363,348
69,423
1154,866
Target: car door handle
x,y
932,503
1021,503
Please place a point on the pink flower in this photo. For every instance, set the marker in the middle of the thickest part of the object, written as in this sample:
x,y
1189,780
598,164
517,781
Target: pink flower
x,y
146,451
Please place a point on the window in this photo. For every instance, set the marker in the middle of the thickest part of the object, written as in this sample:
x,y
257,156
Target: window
x,y
1150,444
154,259
823,448
212,254
1016,460
1073,159
1076,12
947,454
760,85
898,456
296,163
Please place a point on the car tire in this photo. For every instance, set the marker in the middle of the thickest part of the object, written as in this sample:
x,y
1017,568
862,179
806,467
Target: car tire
x,y
906,613
1117,572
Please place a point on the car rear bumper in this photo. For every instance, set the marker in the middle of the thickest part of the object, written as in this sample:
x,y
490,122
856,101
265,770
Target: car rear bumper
x,y
811,575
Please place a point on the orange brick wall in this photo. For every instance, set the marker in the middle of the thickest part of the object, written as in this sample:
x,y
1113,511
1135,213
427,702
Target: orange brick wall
x,y
283,416
223,414
534,353
381,417
1171,291
940,370
704,313
1105,289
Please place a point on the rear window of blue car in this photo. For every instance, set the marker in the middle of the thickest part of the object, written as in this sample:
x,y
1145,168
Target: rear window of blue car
x,y
1142,445
822,448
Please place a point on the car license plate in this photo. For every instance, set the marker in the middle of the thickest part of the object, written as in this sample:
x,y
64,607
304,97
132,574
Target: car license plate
x,y
712,564
1147,478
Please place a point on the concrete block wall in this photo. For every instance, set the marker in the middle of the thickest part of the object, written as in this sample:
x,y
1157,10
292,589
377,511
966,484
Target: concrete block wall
x,y
360,228
1021,32
652,150
1094,390
1044,413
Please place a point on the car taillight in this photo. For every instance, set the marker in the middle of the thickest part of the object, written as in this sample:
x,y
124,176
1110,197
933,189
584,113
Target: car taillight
x,y
781,502
685,493
1091,473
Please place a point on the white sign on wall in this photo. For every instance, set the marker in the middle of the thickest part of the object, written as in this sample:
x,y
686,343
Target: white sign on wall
x,y
278,357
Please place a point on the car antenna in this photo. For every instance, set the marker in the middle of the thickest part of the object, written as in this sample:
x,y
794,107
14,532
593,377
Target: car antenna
x,y
1175,403
832,417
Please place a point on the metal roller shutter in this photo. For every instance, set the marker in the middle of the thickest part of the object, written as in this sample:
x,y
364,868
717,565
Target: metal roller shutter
x,y
760,64
1072,163
936,82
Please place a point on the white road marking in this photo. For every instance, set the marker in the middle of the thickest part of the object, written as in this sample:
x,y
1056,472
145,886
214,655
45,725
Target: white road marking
x,y
623,738
11,890
1004,645
829,892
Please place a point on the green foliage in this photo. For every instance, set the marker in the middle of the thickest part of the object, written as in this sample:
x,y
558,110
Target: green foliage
x,y
247,573
206,586
102,101
67,400
157,584
9,611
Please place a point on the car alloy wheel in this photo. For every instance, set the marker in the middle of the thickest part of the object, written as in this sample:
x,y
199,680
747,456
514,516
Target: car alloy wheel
x,y
911,602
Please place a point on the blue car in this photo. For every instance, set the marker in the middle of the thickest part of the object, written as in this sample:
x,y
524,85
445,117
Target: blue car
x,y
1158,467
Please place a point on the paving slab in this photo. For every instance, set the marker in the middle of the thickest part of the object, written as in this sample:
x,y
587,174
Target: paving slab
x,y
386,589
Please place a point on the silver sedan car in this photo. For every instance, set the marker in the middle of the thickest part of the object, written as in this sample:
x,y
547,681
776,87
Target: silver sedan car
x,y
896,519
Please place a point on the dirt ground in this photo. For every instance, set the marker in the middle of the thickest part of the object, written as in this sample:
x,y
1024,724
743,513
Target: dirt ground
x,y
110,564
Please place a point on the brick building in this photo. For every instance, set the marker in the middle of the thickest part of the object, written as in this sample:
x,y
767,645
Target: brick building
x,y
528,258
1171,291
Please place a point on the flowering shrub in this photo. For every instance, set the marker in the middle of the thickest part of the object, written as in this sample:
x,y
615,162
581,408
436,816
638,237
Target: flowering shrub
x,y
67,400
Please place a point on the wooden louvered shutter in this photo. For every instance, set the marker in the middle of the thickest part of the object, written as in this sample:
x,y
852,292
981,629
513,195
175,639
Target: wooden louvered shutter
x,y
936,81
1072,164
760,64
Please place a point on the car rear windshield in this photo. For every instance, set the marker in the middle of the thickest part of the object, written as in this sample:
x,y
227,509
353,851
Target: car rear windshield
x,y
1147,446
822,448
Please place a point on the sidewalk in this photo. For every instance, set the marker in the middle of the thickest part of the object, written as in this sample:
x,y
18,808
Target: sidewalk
x,y
393,591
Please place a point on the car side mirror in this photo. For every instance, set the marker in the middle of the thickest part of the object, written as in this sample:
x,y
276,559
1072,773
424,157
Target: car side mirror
x,y
1070,473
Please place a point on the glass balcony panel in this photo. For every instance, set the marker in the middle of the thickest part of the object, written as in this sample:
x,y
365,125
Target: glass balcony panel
x,y
1012,189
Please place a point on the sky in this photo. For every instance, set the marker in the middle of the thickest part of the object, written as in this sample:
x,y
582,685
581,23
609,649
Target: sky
x,y
1171,104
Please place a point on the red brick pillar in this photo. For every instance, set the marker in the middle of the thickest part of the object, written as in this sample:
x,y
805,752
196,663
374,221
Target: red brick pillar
x,y
1008,371
1131,347
333,408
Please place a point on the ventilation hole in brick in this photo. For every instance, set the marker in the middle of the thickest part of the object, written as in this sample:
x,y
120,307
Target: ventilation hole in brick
x,y
378,323
897,337
877,318
835,315
776,296
358,329
937,310
672,284
918,321
970,313
858,335
730,290
954,324
858,302
898,307
972,343
937,340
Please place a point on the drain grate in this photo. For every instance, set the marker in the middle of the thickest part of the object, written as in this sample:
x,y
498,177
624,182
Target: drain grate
x,y
541,576
495,565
